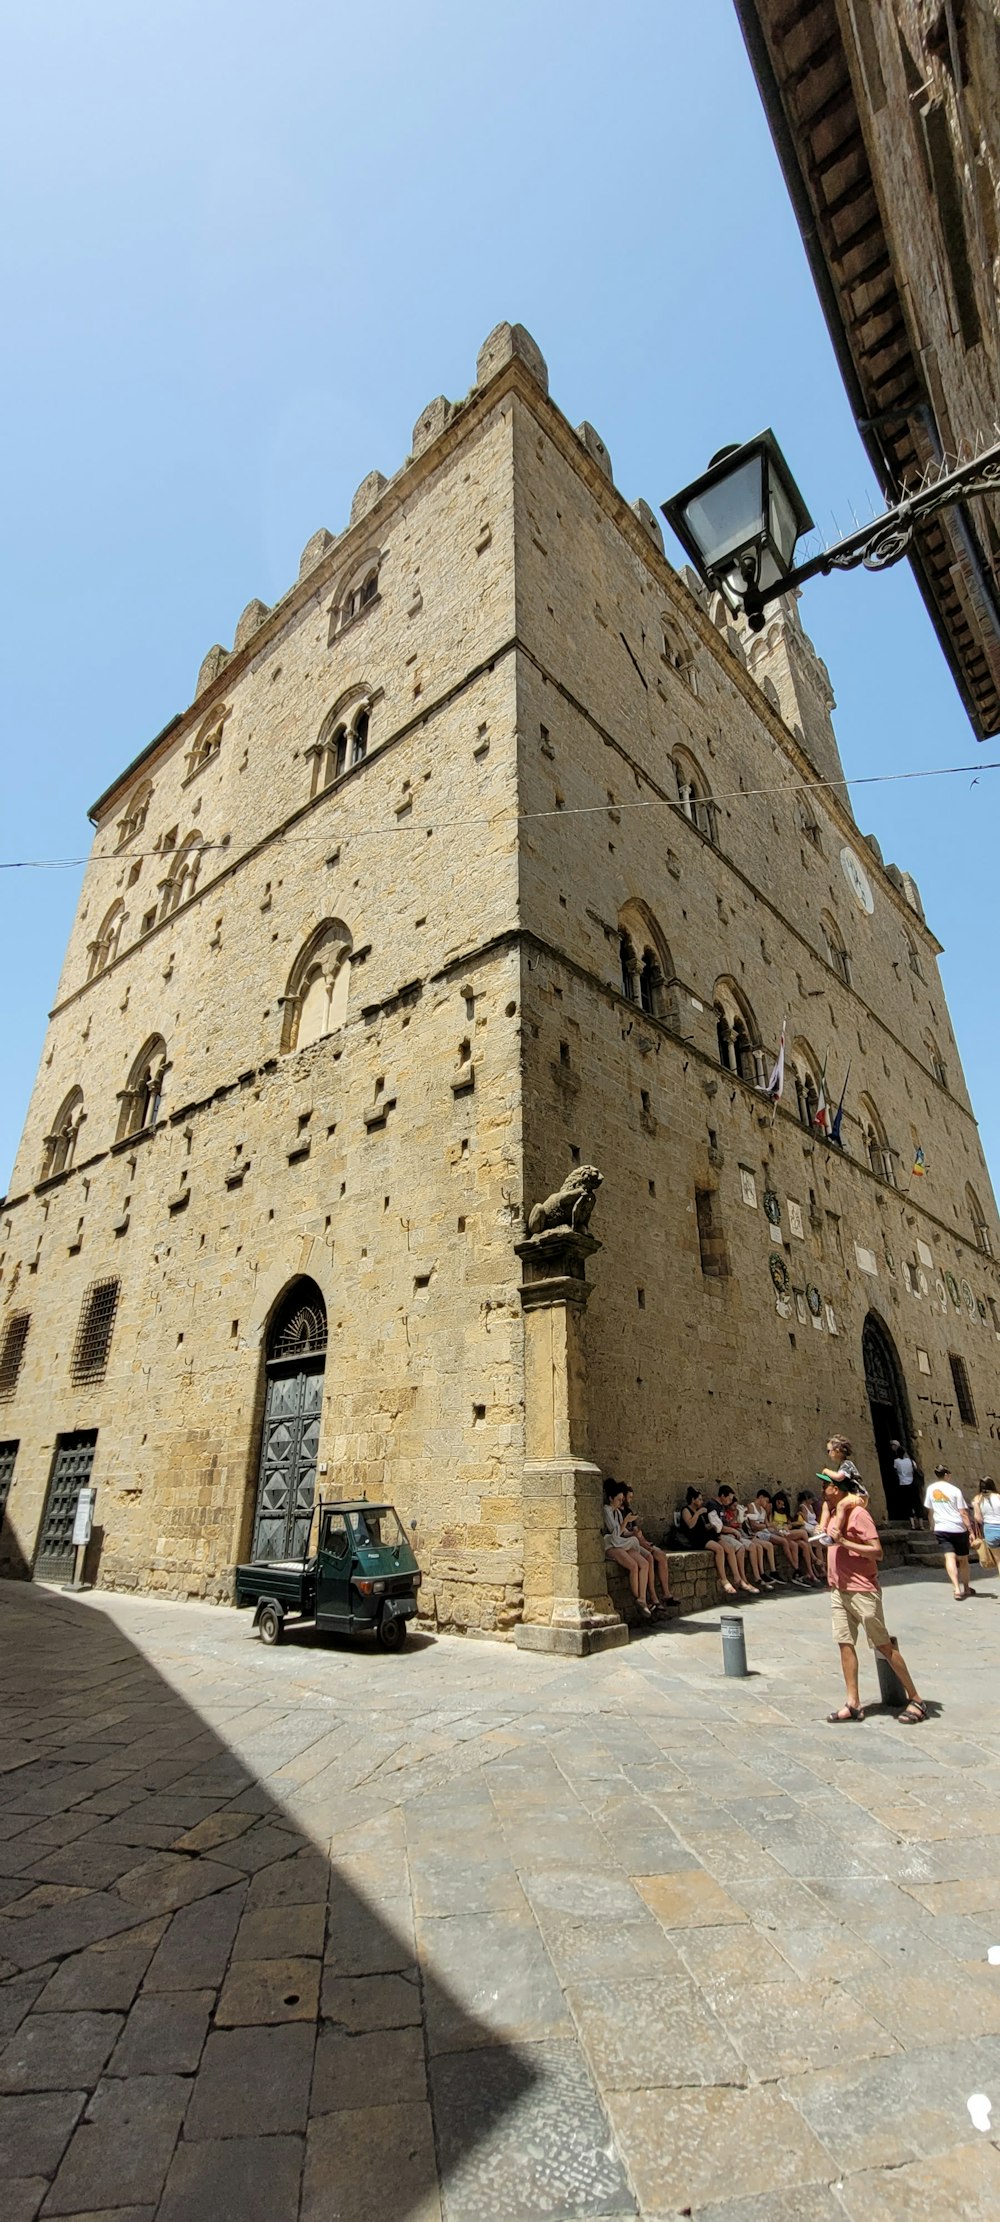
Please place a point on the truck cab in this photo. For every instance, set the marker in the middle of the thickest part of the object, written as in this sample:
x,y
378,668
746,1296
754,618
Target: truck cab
x,y
361,1577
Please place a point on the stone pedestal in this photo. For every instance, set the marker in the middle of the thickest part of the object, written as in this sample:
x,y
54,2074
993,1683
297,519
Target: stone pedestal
x,y
566,1604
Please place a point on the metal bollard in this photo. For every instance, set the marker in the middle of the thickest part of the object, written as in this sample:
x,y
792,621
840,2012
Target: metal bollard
x,y
734,1644
891,1689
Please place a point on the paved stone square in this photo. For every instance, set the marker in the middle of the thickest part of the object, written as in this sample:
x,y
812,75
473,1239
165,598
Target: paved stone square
x,y
472,1933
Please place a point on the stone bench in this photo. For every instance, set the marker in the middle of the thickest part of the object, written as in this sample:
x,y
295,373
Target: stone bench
x,y
692,1579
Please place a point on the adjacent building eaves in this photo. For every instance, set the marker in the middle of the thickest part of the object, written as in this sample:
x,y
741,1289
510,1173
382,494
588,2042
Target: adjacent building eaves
x,y
802,68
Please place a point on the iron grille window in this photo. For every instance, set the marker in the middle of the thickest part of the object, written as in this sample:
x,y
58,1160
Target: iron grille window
x,y
93,1335
963,1393
302,1335
15,1337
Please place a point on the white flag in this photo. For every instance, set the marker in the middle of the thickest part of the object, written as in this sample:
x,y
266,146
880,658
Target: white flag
x,y
776,1085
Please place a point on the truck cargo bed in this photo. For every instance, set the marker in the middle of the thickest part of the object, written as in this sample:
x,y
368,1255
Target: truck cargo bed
x,y
290,1580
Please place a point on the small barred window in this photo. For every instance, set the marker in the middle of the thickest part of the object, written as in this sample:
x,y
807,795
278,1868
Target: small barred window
x,y
12,1351
93,1335
963,1392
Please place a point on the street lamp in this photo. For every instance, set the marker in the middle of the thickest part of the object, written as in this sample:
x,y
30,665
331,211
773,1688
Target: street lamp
x,y
740,521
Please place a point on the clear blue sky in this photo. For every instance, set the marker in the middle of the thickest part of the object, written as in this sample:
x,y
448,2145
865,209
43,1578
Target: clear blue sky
x,y
249,244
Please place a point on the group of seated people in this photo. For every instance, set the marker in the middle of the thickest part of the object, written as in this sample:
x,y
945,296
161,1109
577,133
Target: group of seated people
x,y
764,1540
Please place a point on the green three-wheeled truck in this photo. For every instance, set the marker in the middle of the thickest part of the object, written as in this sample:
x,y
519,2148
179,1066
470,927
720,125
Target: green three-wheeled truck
x,y
360,1579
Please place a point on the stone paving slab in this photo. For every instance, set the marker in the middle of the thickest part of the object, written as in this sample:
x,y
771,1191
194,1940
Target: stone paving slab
x,y
253,2082
233,2179
58,2052
607,1939
522,2135
340,2178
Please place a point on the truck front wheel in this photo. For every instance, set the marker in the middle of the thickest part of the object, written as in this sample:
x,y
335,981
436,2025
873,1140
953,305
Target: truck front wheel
x,y
269,1624
392,1633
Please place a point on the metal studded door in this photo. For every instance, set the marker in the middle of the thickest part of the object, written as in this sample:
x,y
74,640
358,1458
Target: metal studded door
x,y
71,1469
288,1454
289,1445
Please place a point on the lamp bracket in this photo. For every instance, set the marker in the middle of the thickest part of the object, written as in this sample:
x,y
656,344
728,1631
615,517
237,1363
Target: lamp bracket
x,y
877,546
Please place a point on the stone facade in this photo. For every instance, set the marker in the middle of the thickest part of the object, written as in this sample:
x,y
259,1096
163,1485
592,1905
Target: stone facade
x,y
489,852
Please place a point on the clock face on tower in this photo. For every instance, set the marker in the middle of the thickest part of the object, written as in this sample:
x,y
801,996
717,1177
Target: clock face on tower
x,y
857,880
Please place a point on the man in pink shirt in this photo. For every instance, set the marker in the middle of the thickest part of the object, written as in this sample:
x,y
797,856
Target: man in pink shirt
x,y
852,1573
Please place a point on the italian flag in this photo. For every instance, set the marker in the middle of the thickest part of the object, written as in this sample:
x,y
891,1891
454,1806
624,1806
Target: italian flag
x,y
821,1115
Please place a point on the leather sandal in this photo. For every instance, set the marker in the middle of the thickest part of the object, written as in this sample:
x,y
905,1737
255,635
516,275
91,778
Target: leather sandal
x,y
847,1713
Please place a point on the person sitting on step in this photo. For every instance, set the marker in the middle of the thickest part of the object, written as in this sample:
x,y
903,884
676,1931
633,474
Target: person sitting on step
x,y
661,1563
624,1550
698,1530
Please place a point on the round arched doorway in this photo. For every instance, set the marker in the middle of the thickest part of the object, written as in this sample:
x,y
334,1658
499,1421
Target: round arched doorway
x,y
289,1443
888,1402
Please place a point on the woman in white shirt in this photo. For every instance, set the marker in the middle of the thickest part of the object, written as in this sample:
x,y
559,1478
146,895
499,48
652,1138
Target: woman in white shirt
x,y
952,1524
986,1506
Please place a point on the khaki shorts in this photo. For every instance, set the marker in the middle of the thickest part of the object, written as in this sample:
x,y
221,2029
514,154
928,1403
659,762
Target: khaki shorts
x,y
854,1609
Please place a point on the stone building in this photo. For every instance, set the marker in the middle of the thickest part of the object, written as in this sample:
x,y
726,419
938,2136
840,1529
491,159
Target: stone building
x,y
886,121
491,853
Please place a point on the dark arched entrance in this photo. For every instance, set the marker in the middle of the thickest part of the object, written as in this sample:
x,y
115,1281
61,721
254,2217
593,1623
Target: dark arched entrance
x,y
289,1443
888,1400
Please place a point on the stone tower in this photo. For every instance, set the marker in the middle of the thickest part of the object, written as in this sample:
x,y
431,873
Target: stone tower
x,y
478,860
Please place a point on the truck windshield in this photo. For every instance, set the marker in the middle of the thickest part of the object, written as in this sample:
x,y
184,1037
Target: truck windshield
x,y
377,1524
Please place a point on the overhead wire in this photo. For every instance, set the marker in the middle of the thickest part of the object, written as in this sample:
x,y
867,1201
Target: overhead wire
x,y
520,817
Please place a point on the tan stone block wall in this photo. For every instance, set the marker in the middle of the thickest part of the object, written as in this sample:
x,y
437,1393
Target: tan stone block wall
x,y
703,1378
405,1227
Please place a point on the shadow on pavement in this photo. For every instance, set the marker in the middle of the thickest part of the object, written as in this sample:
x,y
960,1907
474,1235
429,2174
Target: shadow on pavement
x,y
200,2016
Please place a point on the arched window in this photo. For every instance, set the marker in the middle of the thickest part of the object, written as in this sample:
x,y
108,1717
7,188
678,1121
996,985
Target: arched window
x,y
978,1219
809,825
836,953
935,1060
57,1154
104,947
695,796
647,967
343,738
207,742
805,1071
737,1034
134,815
877,1150
142,1095
913,957
678,654
359,737
359,595
316,998
179,884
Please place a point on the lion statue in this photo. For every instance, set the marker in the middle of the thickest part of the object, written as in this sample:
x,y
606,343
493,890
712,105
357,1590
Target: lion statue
x,y
571,1205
